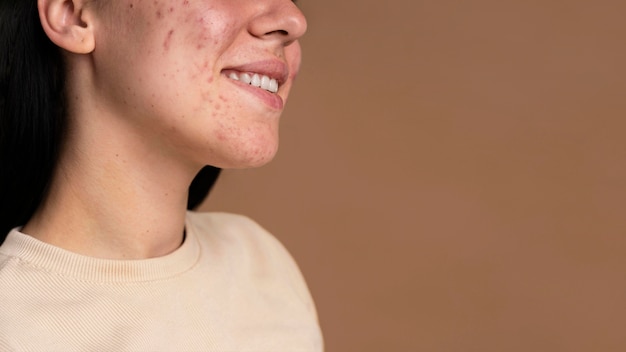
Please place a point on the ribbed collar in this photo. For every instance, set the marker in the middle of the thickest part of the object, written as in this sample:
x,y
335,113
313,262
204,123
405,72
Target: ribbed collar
x,y
46,257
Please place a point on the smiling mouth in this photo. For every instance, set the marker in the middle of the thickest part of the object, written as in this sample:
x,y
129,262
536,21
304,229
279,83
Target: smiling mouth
x,y
255,79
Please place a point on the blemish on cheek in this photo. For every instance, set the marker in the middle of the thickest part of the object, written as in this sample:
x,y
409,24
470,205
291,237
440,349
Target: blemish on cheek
x,y
200,70
206,96
168,39
159,14
171,9
131,5
221,137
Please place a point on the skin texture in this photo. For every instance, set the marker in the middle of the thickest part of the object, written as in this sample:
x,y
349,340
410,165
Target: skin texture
x,y
164,77
149,105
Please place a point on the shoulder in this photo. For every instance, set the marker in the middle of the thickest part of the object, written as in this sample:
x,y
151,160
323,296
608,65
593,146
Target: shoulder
x,y
252,247
223,223
234,230
242,238
10,251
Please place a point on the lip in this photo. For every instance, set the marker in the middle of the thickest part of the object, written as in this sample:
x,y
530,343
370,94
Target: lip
x,y
273,100
275,69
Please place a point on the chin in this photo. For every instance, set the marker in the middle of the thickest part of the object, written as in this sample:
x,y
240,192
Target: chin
x,y
259,159
250,158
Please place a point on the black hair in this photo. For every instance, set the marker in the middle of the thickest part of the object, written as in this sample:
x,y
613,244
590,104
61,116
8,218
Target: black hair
x,y
33,116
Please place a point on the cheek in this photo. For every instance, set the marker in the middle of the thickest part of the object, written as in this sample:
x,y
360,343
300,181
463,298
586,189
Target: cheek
x,y
206,33
214,27
175,74
248,141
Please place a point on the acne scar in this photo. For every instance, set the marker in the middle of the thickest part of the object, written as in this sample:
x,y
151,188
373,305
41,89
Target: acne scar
x,y
166,43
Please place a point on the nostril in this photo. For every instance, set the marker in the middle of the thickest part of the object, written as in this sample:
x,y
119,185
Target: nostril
x,y
279,31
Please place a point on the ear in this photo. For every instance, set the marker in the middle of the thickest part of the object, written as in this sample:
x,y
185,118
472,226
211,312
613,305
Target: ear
x,y
68,24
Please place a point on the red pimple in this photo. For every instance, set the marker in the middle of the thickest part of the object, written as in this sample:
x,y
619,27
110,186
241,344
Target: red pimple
x,y
220,136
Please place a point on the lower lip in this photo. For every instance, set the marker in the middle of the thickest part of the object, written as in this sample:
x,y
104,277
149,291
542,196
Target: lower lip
x,y
272,100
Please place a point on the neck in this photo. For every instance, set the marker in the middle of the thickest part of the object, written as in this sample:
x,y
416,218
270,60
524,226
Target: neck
x,y
114,198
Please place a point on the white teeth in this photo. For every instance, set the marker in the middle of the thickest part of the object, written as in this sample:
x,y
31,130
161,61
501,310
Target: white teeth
x,y
265,83
273,86
245,78
269,84
256,81
260,81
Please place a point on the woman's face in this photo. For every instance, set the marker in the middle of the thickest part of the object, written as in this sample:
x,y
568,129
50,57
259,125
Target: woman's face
x,y
203,80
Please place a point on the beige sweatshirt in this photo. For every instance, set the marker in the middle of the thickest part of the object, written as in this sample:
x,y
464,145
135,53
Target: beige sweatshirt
x,y
231,286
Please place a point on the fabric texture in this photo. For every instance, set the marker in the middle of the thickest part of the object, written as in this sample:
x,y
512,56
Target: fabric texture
x,y
231,286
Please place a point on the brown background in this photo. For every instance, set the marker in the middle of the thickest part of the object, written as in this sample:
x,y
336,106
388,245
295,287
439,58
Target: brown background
x,y
452,175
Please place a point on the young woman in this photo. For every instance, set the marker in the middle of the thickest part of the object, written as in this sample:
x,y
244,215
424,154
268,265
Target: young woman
x,y
108,110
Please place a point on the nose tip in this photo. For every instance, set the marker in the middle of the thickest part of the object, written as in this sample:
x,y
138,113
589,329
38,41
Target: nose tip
x,y
297,24
283,20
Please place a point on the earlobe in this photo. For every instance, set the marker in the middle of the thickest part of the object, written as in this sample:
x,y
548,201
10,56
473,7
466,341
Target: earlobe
x,y
68,24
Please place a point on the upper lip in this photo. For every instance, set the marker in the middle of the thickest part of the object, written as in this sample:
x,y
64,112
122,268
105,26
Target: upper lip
x,y
275,69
